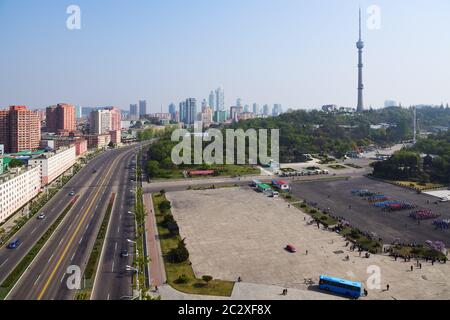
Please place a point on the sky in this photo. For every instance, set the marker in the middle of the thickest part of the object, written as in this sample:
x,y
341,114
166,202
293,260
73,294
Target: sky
x,y
300,53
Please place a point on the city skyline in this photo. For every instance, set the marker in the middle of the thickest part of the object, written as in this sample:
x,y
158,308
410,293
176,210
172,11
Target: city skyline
x,y
290,34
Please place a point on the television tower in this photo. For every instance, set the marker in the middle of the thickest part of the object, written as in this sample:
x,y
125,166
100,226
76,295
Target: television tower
x,y
360,46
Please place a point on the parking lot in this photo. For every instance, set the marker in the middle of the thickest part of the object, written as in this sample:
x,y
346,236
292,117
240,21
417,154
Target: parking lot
x,y
336,195
237,232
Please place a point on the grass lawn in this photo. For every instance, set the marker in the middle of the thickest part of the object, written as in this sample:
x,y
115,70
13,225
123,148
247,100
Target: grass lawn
x,y
174,271
221,171
337,167
419,252
418,186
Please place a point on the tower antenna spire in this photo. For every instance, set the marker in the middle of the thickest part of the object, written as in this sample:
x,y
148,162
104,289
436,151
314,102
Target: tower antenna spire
x,y
360,33
360,46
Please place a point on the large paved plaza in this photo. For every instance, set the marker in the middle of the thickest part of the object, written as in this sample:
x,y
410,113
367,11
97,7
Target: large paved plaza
x,y
236,232
337,196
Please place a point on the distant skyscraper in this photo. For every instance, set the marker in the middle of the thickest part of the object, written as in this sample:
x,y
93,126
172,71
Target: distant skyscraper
x,y
277,110
204,104
183,112
191,111
255,108
173,111
239,102
142,108
220,99
212,100
78,112
360,46
134,113
266,110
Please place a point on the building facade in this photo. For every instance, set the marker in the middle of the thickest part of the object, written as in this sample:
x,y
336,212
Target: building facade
x,y
17,188
20,129
142,108
53,164
61,118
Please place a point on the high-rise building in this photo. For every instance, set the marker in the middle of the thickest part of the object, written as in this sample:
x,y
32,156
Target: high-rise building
x,y
204,104
277,110
20,129
266,110
173,111
78,112
61,118
220,99
255,108
183,111
134,113
142,108
100,122
239,102
246,108
212,100
191,111
116,117
235,113
360,46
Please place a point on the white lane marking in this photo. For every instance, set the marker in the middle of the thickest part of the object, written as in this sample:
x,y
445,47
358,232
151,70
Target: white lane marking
x,y
107,297
73,256
62,279
118,229
112,269
36,280
87,227
80,240
4,262
51,258
33,230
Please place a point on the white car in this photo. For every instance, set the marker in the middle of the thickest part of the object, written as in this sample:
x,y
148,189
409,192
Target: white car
x,y
41,216
445,199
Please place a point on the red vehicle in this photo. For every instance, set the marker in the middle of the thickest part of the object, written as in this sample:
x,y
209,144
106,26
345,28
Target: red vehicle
x,y
290,248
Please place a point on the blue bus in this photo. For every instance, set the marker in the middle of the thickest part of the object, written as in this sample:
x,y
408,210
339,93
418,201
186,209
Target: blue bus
x,y
14,244
343,287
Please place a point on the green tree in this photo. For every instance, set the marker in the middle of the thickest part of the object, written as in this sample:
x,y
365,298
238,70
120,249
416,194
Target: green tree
x,y
14,163
152,168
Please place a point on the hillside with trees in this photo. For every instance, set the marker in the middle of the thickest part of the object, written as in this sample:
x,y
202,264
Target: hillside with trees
x,y
409,165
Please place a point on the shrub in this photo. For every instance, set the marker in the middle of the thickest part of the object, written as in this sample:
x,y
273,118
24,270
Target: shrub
x,y
164,206
180,254
207,279
182,279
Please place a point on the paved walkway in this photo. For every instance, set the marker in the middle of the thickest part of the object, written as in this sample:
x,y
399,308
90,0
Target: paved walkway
x,y
249,291
156,263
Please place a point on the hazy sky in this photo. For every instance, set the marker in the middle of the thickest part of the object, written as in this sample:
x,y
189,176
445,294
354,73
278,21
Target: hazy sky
x,y
300,53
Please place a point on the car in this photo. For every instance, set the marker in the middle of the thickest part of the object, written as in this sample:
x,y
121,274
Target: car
x,y
72,193
445,199
124,253
94,171
41,216
14,244
290,248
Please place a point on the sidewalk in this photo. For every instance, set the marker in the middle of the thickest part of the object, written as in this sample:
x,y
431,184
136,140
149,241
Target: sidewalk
x,y
156,263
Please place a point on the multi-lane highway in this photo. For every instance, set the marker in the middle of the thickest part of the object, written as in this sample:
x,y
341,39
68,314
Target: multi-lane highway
x,y
113,282
71,243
